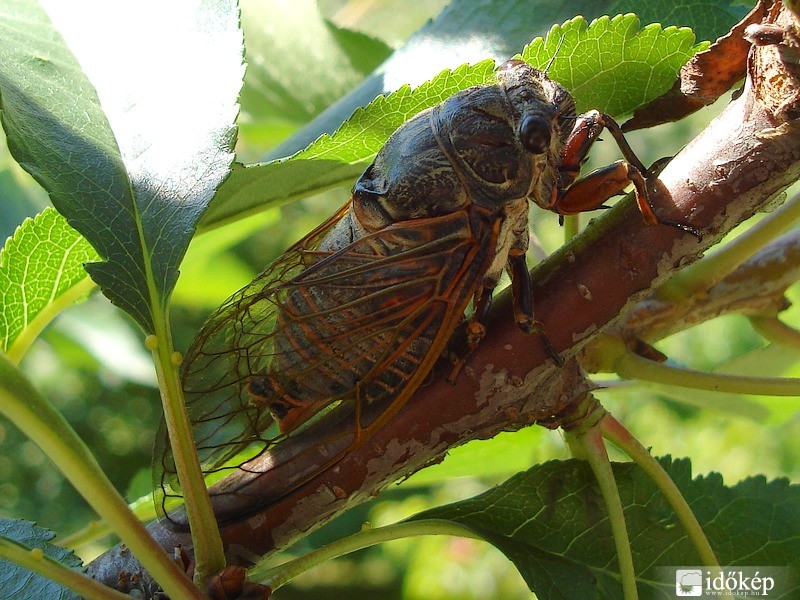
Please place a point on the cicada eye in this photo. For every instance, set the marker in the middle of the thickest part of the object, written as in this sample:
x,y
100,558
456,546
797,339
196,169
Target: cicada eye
x,y
534,133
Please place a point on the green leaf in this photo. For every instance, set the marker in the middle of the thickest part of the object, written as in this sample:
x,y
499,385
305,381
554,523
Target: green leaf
x,y
519,449
135,175
18,582
297,63
41,272
634,55
613,65
709,19
551,522
337,159
469,31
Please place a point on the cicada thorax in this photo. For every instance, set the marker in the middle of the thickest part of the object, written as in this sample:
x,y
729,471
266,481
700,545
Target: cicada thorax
x,y
342,329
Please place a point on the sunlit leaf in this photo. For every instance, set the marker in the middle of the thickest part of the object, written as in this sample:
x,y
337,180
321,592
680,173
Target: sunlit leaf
x,y
41,272
468,31
613,65
134,175
709,19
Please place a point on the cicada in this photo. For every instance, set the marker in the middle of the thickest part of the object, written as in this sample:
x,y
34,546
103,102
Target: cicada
x,y
346,325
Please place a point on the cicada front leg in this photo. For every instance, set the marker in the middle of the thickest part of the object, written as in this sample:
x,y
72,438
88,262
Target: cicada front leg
x,y
522,290
575,195
475,329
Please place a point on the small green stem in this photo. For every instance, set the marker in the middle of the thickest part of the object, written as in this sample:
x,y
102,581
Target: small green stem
x,y
45,426
632,366
35,560
209,555
617,434
703,274
91,532
572,227
275,577
776,331
143,508
595,451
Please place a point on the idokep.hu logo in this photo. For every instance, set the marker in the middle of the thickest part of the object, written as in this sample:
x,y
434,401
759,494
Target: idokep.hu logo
x,y
735,582
689,582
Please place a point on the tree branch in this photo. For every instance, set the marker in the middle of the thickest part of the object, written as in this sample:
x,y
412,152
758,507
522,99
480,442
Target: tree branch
x,y
754,289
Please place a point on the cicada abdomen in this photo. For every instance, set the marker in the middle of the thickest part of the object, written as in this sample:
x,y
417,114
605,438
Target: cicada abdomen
x,y
341,330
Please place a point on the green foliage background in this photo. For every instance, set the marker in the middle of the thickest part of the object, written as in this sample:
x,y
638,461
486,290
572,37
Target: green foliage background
x,y
92,364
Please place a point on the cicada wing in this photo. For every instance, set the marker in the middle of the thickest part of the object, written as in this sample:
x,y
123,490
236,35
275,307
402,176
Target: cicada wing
x,y
235,342
338,332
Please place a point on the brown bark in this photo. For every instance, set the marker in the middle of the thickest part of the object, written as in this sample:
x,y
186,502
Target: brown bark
x,y
755,289
733,169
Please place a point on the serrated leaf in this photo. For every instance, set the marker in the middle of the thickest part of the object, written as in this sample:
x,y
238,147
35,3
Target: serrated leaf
x,y
650,55
136,192
551,522
468,31
41,272
18,582
334,160
612,65
709,19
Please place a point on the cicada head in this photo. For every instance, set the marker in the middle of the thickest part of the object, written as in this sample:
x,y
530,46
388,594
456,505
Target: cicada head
x,y
543,110
505,140
543,113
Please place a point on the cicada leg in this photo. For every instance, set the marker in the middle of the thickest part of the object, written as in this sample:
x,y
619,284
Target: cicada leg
x,y
476,329
522,291
575,195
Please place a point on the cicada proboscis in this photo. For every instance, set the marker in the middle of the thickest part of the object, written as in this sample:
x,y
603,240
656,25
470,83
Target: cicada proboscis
x,y
345,326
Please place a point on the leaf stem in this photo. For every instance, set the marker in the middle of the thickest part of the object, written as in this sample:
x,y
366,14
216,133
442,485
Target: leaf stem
x,y
44,425
572,227
776,331
632,366
703,274
34,560
143,508
617,434
275,577
591,441
208,551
